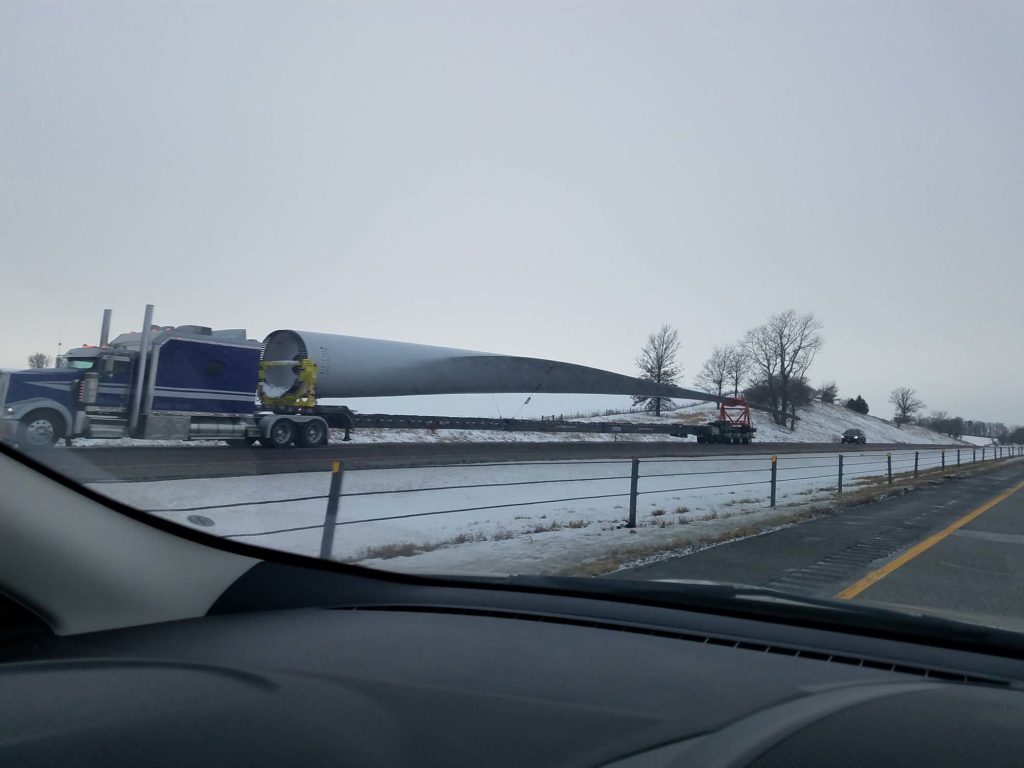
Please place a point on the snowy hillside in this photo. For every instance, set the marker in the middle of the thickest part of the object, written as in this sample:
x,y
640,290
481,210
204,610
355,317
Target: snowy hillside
x,y
817,424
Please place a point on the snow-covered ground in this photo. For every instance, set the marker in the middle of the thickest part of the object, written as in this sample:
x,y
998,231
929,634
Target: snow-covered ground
x,y
544,517
979,441
817,424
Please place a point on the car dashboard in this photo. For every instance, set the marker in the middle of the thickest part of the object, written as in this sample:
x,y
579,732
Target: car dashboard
x,y
383,673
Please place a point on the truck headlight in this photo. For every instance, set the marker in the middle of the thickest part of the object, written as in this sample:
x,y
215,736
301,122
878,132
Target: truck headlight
x,y
8,410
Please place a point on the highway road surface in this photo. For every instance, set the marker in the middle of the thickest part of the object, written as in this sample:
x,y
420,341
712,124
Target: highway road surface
x,y
955,548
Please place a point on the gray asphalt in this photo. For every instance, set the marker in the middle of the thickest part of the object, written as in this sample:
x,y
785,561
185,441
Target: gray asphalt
x,y
152,463
975,574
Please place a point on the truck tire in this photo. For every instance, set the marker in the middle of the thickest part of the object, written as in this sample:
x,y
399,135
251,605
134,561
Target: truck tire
x,y
40,430
280,435
311,433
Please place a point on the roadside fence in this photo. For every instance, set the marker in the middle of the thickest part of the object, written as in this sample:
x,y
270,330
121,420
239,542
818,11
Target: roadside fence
x,y
635,479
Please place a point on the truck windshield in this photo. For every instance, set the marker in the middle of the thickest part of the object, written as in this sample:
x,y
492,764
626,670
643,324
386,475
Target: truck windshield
x,y
81,364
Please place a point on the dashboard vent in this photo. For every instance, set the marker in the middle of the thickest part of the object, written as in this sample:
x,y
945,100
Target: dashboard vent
x,y
932,673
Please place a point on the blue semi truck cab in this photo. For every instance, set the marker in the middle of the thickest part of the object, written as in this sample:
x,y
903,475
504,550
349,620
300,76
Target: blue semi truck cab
x,y
183,383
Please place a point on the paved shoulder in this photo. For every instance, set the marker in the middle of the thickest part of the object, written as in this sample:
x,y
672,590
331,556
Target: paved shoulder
x,y
973,568
978,569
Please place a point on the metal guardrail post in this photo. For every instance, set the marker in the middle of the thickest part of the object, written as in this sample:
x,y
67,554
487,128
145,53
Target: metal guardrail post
x,y
839,488
331,519
974,455
917,456
958,458
888,462
943,452
775,468
634,479
983,454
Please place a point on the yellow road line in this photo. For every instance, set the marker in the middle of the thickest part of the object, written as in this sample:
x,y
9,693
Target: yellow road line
x,y
877,575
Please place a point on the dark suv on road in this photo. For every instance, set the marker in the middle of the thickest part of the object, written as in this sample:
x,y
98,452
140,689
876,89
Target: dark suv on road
x,y
854,436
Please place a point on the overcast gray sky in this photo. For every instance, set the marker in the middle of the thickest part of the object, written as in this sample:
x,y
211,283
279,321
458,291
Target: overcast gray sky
x,y
548,179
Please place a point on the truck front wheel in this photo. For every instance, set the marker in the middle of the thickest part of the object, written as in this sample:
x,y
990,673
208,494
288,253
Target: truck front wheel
x,y
281,434
40,429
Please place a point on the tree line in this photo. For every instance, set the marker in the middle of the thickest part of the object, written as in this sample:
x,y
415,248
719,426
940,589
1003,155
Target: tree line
x,y
769,367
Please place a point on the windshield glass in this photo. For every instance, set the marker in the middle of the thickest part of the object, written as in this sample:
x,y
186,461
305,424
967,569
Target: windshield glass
x,y
529,288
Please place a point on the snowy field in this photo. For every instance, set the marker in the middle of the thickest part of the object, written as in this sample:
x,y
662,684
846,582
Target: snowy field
x,y
509,518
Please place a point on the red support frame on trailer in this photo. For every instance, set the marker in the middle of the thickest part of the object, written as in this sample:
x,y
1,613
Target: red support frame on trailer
x,y
735,412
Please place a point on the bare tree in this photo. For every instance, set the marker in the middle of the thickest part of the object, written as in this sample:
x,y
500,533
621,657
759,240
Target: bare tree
x,y
906,403
39,360
657,363
739,368
716,372
828,392
780,352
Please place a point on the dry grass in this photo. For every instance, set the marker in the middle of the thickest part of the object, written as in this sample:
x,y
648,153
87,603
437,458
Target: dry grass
x,y
465,538
408,549
546,527
388,551
682,543
746,500
813,491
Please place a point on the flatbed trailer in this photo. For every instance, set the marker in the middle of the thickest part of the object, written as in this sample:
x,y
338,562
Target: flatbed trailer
x,y
721,430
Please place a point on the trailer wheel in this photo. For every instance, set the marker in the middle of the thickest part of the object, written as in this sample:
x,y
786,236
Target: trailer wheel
x,y
311,433
40,429
281,434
